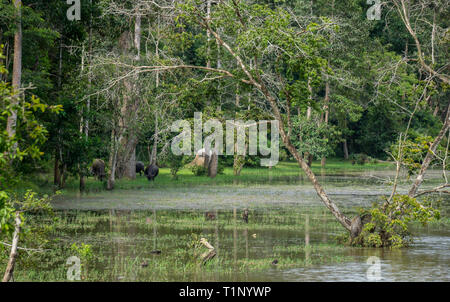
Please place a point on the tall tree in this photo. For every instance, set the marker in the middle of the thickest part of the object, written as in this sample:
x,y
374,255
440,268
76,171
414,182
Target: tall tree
x,y
17,67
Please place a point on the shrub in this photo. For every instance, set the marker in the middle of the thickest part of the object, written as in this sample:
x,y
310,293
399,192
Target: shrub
x,y
175,163
389,221
199,170
360,158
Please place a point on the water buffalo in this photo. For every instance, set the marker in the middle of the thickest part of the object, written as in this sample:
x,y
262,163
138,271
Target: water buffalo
x,y
98,169
210,216
151,171
245,215
139,167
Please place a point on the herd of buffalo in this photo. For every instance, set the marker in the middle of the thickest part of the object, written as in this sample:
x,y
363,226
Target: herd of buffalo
x,y
98,169
151,171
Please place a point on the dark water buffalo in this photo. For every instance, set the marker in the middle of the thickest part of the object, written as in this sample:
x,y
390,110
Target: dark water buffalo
x,y
151,172
245,215
210,216
140,167
98,169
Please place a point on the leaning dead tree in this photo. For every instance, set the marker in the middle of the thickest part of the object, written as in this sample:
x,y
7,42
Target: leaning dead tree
x,y
259,76
263,78
259,82
430,155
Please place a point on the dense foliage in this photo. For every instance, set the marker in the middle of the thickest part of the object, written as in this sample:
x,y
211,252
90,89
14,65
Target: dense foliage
x,y
110,85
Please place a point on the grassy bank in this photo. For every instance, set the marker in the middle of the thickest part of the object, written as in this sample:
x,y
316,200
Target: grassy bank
x,y
284,172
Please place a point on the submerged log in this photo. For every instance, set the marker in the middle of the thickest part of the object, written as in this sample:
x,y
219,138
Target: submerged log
x,y
210,254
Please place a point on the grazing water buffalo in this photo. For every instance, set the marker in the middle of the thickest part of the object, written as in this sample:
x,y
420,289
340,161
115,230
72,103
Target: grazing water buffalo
x,y
139,167
245,215
151,172
210,216
98,169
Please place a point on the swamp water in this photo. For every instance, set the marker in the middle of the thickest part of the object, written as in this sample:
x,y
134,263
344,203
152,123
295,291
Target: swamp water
x,y
289,236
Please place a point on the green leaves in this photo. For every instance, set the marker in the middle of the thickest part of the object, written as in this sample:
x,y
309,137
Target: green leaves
x,y
317,140
346,109
6,215
84,251
30,134
389,221
413,152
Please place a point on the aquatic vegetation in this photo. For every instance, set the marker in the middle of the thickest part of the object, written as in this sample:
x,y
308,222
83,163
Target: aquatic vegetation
x,y
287,229
114,245
388,222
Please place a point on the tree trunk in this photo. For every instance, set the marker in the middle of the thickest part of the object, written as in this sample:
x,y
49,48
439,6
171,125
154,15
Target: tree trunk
x,y
82,183
131,166
112,162
345,222
436,109
309,110
154,154
345,148
128,110
85,125
137,35
208,34
17,68
307,155
63,176
128,157
13,255
310,160
56,169
325,108
239,160
213,165
320,191
56,174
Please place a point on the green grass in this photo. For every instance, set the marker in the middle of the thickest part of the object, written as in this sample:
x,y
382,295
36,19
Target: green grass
x,y
121,241
284,172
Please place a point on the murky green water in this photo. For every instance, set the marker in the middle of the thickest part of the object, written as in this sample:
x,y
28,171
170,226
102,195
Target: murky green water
x,y
287,223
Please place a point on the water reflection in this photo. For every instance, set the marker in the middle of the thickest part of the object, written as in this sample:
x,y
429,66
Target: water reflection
x,y
307,245
283,234
427,260
347,190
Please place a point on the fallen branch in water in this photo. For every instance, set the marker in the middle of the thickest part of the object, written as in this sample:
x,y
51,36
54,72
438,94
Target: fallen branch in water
x,y
211,253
